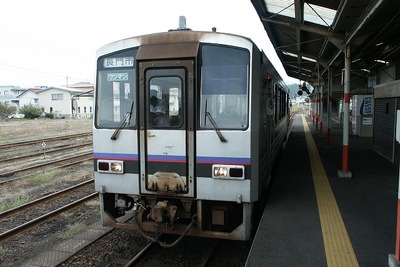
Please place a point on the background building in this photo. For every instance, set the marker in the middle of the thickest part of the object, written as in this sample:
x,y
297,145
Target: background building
x,y
66,102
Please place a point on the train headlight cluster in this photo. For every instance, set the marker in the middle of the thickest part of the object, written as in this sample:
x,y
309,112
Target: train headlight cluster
x,y
220,171
228,172
110,166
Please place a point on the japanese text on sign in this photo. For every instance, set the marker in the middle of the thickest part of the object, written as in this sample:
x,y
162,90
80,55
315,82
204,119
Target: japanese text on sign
x,y
116,62
367,105
115,77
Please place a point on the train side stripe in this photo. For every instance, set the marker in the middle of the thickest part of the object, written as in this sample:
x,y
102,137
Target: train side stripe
x,y
115,156
172,158
166,158
223,160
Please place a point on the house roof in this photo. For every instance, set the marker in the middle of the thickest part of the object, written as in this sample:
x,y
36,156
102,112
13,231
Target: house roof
x,y
70,90
26,91
82,85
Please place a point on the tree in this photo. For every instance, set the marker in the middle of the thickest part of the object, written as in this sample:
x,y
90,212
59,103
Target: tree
x,y
6,109
31,111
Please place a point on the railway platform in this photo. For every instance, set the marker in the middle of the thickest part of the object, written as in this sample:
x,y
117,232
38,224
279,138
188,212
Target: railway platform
x,y
314,218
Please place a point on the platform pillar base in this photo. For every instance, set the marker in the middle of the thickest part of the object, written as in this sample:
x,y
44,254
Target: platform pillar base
x,y
393,262
343,174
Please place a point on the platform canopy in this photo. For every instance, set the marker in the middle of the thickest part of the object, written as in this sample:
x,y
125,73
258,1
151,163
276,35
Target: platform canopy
x,y
311,35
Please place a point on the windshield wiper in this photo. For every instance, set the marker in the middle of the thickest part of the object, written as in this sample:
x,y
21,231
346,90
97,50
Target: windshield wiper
x,y
125,121
216,129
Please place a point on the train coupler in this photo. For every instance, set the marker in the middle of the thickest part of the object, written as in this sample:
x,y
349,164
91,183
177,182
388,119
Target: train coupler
x,y
163,212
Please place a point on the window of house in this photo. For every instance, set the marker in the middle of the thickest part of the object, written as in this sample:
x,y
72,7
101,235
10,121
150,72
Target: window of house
x,y
57,96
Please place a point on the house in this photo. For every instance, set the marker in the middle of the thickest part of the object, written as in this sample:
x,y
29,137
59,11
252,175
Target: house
x,y
27,97
9,94
82,86
66,102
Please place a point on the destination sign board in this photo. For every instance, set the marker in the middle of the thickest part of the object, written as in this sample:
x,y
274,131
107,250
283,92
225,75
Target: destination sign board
x,y
117,62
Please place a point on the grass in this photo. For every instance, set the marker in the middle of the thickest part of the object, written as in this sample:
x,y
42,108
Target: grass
x,y
41,178
79,174
93,205
67,215
73,230
3,250
14,202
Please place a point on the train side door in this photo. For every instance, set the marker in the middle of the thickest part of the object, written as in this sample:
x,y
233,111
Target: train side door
x,y
166,137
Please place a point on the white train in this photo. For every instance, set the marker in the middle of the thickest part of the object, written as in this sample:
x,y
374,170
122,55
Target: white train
x,y
187,127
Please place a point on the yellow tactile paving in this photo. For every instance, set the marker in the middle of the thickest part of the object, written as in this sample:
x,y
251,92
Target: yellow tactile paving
x,y
338,249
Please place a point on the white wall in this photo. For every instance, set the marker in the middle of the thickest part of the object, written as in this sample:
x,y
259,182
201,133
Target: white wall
x,y
61,107
27,98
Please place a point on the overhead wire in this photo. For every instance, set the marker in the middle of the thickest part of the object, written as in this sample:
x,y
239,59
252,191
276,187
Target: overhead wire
x,y
40,48
8,66
13,40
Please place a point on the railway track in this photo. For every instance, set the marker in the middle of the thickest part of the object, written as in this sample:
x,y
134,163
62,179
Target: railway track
x,y
71,160
153,255
36,152
14,145
46,207
51,156
26,225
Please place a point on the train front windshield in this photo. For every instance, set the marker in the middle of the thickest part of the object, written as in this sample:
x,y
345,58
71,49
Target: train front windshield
x,y
116,90
223,90
224,87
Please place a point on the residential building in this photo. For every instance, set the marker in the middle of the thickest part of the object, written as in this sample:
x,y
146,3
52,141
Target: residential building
x,y
9,94
66,102
27,97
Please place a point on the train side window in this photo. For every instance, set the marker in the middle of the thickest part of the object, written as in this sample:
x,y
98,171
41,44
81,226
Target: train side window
x,y
224,87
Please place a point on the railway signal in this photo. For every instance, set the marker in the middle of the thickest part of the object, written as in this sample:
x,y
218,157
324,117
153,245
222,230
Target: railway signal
x,y
44,149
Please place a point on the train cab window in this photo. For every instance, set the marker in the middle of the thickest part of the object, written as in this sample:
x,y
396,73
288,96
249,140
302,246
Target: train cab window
x,y
224,87
116,95
165,102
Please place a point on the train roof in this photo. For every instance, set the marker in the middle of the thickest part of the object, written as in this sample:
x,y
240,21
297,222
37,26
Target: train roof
x,y
176,36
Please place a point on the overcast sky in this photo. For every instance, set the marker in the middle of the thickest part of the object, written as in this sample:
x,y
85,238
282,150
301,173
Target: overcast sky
x,y
42,42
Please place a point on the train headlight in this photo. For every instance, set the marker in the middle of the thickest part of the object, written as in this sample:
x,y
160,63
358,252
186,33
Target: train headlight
x,y
116,166
234,172
220,172
110,166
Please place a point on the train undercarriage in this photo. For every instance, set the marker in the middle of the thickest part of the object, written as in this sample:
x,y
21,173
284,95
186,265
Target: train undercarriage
x,y
179,216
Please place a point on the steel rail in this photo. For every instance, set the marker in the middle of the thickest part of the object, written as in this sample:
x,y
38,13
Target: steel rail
x,y
58,167
210,251
10,173
9,233
47,139
141,253
45,198
48,151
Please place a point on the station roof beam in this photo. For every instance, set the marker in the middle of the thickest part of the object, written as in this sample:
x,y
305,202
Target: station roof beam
x,y
301,30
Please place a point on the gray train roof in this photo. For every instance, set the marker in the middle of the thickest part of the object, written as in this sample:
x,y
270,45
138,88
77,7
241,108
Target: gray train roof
x,y
313,34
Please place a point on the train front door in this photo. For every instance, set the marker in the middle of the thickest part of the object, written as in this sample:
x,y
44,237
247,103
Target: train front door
x,y
166,128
